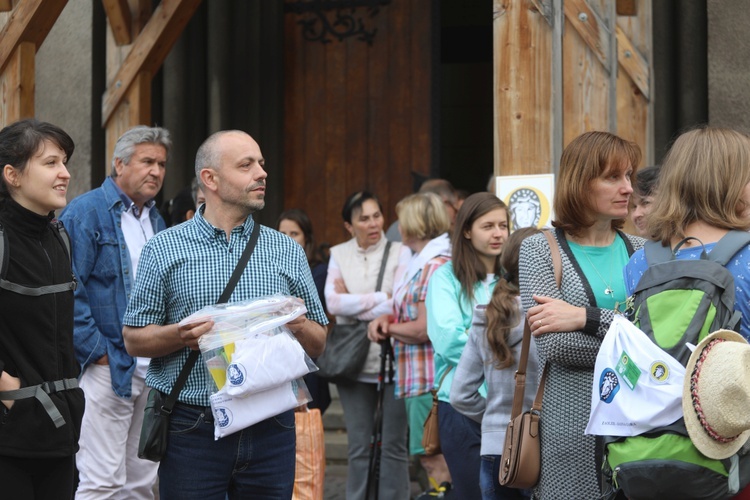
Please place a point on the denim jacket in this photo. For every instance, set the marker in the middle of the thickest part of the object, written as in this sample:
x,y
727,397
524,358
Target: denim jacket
x,y
101,263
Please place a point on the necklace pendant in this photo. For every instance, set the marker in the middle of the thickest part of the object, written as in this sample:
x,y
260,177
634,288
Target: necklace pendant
x,y
608,291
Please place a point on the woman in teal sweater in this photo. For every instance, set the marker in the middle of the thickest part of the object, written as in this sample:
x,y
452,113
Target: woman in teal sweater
x,y
477,241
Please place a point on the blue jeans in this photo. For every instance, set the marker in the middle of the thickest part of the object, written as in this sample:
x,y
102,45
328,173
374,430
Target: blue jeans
x,y
489,481
257,462
461,441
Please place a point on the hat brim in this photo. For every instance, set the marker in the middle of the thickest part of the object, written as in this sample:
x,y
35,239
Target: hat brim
x,y
705,444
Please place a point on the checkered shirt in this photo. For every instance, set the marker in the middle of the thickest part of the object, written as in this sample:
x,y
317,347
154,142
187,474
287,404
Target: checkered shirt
x,y
415,365
186,268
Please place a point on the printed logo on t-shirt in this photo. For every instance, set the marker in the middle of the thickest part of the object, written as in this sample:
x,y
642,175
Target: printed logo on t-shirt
x,y
609,385
236,374
223,416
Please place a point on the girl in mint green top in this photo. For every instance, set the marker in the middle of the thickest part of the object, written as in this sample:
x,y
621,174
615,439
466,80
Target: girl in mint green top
x,y
478,236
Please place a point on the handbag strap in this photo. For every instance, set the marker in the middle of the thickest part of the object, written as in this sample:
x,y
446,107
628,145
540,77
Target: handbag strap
x,y
443,377
556,259
383,262
233,280
523,361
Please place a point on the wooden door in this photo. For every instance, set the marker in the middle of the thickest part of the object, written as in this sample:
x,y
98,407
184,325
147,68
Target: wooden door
x,y
357,115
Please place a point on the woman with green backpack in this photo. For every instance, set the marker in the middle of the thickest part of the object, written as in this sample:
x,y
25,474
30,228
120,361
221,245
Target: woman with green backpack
x,y
703,193
701,214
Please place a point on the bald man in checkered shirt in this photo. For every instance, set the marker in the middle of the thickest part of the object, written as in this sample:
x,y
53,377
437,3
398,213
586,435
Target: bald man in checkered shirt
x,y
185,269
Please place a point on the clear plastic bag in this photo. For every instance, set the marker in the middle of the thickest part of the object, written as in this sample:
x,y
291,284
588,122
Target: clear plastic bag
x,y
246,325
256,363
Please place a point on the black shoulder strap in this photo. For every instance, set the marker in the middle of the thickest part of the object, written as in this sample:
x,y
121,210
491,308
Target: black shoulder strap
x,y
64,238
383,262
728,245
233,280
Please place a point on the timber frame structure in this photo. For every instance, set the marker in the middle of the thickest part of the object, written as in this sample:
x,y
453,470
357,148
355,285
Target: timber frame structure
x,y
138,42
560,67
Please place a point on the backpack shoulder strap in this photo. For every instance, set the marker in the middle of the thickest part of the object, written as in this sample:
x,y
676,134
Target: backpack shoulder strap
x,y
64,238
728,245
656,253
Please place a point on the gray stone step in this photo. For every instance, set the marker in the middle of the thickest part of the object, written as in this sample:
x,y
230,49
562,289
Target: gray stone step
x,y
336,447
333,418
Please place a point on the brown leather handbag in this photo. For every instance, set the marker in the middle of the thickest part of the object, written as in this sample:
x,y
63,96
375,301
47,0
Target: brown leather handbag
x,y
431,433
521,459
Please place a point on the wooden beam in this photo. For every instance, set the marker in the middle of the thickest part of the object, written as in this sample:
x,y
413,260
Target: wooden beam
x,y
149,50
17,85
30,21
632,62
544,7
522,41
592,28
6,5
135,109
120,20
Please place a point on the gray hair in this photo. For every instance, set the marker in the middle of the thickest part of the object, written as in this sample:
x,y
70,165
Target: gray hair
x,y
125,146
208,156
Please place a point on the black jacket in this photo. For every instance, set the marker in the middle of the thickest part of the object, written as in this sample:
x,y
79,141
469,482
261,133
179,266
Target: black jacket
x,y
36,338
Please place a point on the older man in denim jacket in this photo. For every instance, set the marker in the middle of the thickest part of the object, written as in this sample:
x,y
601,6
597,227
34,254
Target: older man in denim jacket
x,y
108,227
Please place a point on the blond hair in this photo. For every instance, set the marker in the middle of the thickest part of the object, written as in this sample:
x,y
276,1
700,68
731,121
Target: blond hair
x,y
703,178
422,216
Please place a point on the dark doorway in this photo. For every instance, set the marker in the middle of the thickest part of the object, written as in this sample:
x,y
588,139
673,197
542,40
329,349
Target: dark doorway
x,y
464,94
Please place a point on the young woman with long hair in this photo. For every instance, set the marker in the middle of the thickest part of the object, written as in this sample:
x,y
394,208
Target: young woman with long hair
x,y
491,355
477,241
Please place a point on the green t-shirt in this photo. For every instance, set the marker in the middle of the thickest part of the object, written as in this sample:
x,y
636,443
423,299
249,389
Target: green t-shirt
x,y
603,267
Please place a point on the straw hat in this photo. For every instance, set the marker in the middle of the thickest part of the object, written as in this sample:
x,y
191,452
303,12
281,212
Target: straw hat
x,y
716,394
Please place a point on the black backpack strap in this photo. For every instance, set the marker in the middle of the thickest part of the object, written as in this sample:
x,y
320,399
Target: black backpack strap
x,y
64,237
728,245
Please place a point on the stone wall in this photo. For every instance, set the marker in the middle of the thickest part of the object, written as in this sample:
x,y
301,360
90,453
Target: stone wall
x,y
728,70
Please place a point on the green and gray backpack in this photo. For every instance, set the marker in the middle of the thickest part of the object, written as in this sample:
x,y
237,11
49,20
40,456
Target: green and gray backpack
x,y
678,301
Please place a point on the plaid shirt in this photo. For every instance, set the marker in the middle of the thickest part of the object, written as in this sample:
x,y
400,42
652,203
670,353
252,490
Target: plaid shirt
x,y
186,268
415,371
